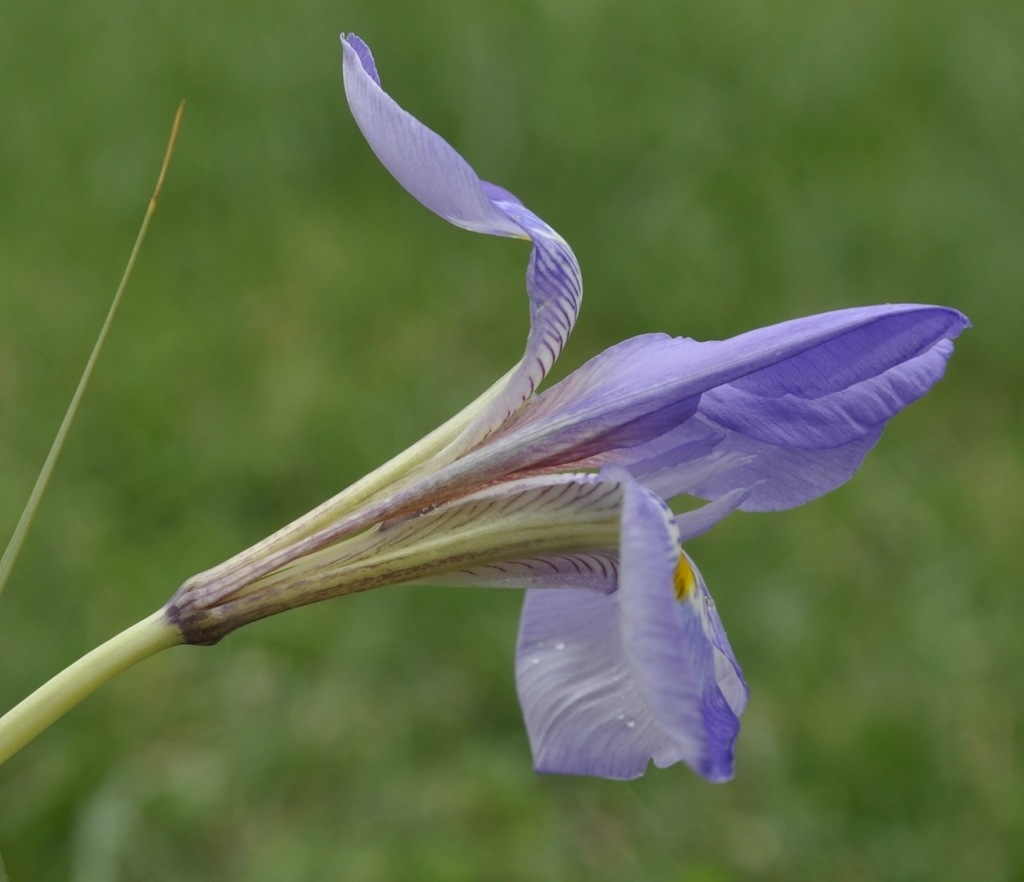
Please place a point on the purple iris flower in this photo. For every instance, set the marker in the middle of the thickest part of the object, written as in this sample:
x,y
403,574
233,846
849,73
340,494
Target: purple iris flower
x,y
621,658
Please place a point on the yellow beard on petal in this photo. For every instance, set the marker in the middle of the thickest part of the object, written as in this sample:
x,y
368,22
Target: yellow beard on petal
x,y
684,580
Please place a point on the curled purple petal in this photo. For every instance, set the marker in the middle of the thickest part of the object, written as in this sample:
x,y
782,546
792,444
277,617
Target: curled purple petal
x,y
420,160
435,174
365,56
555,287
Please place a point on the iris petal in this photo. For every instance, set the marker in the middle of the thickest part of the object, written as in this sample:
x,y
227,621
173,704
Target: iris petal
x,y
584,714
826,353
774,417
683,665
612,401
435,174
419,159
828,420
608,684
700,520
778,477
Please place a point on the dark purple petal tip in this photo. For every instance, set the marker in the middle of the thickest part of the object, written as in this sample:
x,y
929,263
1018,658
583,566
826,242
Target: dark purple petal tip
x,y
364,54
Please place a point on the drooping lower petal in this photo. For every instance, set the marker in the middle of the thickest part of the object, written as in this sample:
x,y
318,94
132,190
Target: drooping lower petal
x,y
608,684
674,640
584,714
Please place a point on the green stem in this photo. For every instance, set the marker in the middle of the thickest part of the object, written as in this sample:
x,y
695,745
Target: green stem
x,y
79,680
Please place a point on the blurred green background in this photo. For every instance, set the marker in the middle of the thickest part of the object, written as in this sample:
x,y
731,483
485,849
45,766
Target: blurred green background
x,y
296,318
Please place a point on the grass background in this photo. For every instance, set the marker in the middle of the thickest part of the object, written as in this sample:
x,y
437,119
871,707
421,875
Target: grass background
x,y
296,318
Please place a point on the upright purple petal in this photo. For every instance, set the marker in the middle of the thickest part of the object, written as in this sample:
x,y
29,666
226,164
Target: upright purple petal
x,y
555,287
420,160
435,174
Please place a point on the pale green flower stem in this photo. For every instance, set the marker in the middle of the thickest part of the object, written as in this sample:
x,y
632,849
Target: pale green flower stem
x,y
55,698
52,700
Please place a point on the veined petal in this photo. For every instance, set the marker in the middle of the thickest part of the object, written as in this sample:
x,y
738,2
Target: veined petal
x,y
828,420
542,517
674,640
584,714
606,404
590,571
820,354
612,401
789,430
642,389
420,160
435,174
813,356
772,476
554,283
609,683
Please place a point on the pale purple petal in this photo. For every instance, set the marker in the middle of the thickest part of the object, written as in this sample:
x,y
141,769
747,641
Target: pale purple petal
x,y
584,714
683,665
828,420
789,431
641,389
700,520
728,674
608,684
435,174
832,351
814,356
777,477
555,286
610,402
607,403
420,160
